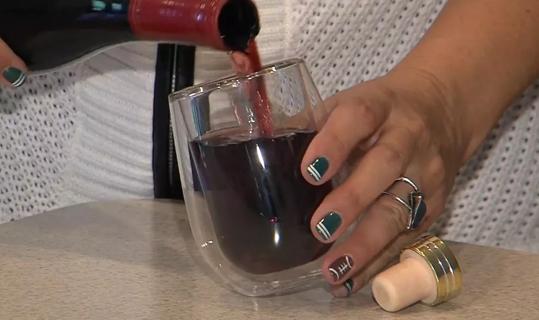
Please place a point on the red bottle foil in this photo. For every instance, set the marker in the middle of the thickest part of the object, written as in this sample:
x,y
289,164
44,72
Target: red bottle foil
x,y
189,21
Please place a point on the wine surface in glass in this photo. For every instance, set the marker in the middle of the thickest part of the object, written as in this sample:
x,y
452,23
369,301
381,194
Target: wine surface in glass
x,y
259,202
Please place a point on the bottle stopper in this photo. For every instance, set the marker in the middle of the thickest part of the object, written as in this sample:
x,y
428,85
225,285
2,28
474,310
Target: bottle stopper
x,y
428,272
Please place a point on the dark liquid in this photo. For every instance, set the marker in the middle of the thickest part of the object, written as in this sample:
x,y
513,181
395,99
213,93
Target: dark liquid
x,y
259,201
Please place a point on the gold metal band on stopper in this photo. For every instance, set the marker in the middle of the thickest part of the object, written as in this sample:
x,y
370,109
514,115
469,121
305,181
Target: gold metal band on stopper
x,y
443,264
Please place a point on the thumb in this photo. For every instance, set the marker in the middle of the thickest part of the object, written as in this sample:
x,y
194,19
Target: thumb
x,y
12,67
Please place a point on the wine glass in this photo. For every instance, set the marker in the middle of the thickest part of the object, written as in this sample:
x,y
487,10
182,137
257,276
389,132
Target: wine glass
x,y
240,141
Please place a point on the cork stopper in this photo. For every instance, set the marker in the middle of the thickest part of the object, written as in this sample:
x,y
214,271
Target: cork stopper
x,y
427,272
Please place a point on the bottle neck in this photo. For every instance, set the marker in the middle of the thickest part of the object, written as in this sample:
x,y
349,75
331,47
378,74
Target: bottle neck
x,y
220,24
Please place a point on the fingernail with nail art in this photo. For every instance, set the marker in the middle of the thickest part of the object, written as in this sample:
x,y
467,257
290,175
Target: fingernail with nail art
x,y
318,168
349,286
345,290
327,226
340,267
14,76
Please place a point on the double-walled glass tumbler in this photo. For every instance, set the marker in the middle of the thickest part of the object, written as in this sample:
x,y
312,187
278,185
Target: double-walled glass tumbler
x,y
240,142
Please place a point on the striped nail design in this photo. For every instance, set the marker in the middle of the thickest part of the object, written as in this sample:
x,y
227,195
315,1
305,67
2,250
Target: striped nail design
x,y
340,267
349,285
318,168
15,76
327,226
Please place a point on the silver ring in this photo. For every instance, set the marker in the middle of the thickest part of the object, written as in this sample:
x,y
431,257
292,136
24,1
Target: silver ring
x,y
399,199
415,204
408,181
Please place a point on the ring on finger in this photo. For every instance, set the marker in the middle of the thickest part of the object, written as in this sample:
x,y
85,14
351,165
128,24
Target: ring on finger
x,y
415,204
408,181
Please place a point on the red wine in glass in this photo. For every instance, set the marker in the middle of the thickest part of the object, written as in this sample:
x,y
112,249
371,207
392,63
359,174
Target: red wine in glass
x,y
246,63
260,204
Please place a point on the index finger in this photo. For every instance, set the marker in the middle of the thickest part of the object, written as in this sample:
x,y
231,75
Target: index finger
x,y
351,122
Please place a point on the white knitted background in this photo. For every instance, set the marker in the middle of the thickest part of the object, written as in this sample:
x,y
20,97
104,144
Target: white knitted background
x,y
63,143
112,148
37,125
496,196
79,134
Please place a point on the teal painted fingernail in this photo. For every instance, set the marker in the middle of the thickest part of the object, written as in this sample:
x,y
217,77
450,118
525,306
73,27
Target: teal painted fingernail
x,y
318,168
15,76
349,285
328,225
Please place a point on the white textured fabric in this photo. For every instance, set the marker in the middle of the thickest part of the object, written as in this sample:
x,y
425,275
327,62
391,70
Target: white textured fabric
x,y
92,139
82,133
37,127
111,154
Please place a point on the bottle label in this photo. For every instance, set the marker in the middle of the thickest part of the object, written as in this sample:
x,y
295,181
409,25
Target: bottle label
x,y
184,21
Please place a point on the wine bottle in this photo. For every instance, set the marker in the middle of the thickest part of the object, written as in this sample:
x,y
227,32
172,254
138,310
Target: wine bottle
x,y
47,34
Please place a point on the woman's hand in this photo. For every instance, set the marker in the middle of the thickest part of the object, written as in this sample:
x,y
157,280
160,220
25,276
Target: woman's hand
x,y
384,129
12,67
422,121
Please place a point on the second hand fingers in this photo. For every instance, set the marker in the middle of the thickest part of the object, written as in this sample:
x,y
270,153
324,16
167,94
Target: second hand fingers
x,y
355,283
380,260
384,221
376,171
349,123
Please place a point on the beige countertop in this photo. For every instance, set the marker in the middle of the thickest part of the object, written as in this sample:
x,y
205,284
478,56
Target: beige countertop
x,y
131,260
